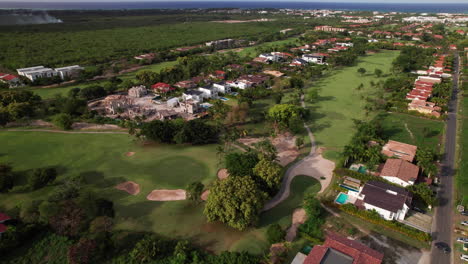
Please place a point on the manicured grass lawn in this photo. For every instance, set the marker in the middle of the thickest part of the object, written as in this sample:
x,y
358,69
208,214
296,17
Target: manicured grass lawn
x,y
101,160
340,102
412,130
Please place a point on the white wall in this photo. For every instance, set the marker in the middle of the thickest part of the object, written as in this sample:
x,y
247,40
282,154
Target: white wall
x,y
396,180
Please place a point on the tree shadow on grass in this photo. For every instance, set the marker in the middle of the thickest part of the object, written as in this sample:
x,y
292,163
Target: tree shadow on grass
x,y
98,179
138,210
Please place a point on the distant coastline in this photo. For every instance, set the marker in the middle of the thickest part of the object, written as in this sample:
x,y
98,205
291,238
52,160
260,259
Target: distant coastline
x,y
383,7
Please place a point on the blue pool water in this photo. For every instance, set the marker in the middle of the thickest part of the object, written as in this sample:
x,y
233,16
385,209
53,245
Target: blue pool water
x,y
342,198
224,98
349,188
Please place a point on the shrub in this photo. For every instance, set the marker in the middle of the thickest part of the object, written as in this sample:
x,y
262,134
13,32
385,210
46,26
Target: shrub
x,y
41,177
374,217
63,121
275,234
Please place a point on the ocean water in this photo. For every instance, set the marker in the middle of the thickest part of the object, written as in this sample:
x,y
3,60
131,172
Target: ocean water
x,y
386,7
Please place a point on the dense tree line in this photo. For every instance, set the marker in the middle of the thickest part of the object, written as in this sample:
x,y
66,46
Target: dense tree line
x,y
178,131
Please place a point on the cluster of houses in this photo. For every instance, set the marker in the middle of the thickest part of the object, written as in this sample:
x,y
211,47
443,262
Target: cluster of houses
x,y
36,72
338,249
390,201
423,87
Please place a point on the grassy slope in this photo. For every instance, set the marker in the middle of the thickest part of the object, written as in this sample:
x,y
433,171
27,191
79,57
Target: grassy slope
x,y
102,161
339,101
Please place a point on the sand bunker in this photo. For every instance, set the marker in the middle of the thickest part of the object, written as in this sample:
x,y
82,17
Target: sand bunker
x,y
223,174
88,126
204,195
129,154
167,195
299,217
129,187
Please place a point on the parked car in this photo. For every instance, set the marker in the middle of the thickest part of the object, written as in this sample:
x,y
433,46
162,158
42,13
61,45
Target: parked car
x,y
465,223
465,213
464,257
443,246
462,240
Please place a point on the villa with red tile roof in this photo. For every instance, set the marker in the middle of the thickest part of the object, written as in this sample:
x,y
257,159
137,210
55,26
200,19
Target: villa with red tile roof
x,y
10,79
399,150
338,249
4,217
161,87
400,172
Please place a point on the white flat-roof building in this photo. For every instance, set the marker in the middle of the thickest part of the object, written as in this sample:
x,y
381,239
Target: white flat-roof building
x,y
33,73
69,71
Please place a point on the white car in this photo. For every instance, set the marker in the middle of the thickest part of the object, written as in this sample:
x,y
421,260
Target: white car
x,y
462,240
464,257
465,223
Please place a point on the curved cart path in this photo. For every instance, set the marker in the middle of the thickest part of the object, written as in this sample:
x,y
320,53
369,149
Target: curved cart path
x,y
313,165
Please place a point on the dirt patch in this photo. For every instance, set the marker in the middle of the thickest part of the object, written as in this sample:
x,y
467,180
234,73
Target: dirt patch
x,y
130,187
167,195
34,123
223,174
299,217
204,195
285,145
276,251
88,126
129,154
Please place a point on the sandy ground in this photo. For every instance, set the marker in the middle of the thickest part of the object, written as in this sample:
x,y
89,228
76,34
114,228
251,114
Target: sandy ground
x,y
299,217
223,174
129,187
204,195
285,145
129,154
88,126
167,195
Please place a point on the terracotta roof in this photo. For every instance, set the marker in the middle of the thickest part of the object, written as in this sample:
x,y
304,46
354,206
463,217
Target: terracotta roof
x,y
401,169
4,217
3,228
339,248
386,196
400,150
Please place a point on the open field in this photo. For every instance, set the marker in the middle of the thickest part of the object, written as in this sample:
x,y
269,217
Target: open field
x,y
339,102
102,161
413,130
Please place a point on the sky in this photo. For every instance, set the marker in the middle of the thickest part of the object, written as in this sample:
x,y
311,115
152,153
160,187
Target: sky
x,y
356,1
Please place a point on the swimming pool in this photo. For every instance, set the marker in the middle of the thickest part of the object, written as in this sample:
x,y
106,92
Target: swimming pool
x,y
224,98
361,169
342,198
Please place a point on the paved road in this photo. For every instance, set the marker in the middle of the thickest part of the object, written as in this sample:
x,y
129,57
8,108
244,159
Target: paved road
x,y
443,214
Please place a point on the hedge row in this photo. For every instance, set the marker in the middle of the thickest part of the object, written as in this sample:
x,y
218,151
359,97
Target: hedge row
x,y
374,217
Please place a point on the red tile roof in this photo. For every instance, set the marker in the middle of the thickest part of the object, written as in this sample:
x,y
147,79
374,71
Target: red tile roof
x,y
360,253
4,217
3,228
401,169
164,87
